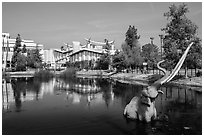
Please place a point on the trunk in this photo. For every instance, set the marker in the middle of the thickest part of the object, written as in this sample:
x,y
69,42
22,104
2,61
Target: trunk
x,y
137,69
153,69
7,54
195,71
3,61
191,72
186,72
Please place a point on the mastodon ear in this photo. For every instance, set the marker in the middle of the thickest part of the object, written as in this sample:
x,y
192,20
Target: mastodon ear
x,y
159,91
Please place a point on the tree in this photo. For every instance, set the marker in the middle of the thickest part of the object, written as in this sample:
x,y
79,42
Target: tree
x,y
150,54
179,32
21,62
34,59
24,50
103,62
7,50
119,61
131,48
131,36
62,48
18,44
18,60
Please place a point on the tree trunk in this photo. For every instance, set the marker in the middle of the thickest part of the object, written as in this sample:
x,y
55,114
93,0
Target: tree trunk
x,y
7,54
186,72
191,72
3,61
195,71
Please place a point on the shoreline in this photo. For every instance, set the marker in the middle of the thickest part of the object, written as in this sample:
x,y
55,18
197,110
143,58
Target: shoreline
x,y
128,78
141,79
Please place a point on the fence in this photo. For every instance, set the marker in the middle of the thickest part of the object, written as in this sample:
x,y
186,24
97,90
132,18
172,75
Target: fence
x,y
190,72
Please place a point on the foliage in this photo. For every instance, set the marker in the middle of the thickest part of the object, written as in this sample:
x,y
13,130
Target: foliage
x,y
34,59
62,48
43,75
179,32
18,60
131,48
24,50
119,61
70,72
23,57
194,59
131,36
103,62
150,54
107,46
17,44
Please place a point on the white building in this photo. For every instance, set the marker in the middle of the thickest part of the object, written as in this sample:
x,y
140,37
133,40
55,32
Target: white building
x,y
48,58
77,52
90,52
8,44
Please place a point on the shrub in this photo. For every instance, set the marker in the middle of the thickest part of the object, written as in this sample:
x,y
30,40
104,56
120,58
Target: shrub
x,y
68,73
43,75
199,74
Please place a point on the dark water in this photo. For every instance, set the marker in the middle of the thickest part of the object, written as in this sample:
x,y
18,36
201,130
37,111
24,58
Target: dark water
x,y
93,106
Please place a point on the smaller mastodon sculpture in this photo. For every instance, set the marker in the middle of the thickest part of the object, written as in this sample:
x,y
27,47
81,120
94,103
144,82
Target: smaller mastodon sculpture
x,y
143,107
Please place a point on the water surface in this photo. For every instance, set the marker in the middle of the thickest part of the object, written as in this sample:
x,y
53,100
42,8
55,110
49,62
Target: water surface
x,y
93,106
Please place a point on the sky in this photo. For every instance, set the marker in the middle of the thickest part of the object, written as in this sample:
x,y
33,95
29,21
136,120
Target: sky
x,y
55,23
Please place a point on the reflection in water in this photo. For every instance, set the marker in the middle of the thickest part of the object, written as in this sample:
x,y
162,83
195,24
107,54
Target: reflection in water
x,y
179,109
86,90
18,90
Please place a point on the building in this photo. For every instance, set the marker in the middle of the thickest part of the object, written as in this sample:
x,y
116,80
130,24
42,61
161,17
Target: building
x,y
8,45
90,52
83,54
57,58
48,58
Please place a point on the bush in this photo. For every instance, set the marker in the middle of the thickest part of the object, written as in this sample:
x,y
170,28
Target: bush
x,y
43,75
199,74
68,73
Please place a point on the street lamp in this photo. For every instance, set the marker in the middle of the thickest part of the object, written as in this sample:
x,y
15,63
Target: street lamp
x,y
3,61
161,40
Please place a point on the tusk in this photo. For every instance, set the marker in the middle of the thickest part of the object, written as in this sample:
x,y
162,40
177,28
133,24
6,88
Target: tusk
x,y
160,68
159,91
168,76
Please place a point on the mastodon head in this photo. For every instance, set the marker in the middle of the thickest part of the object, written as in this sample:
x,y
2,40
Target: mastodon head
x,y
149,95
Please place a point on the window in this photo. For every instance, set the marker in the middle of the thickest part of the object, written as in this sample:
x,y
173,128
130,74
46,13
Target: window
x,y
8,64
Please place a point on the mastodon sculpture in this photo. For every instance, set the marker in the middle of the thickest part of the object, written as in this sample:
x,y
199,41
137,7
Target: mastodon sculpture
x,y
143,107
